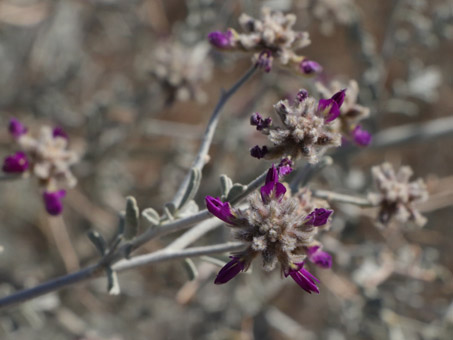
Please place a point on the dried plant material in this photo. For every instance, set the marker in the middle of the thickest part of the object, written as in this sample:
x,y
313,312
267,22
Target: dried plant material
x,y
397,196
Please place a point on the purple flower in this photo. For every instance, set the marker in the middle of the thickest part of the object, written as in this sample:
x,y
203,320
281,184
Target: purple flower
x,y
258,152
230,270
285,167
272,185
331,107
319,257
318,217
59,132
220,39
219,209
16,163
257,120
52,201
310,66
361,137
16,128
265,61
302,95
303,278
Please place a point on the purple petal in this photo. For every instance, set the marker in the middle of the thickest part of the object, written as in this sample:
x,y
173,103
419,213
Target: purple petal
x,y
361,137
219,209
339,97
285,167
16,163
59,132
310,67
318,217
265,61
302,95
220,40
304,278
266,191
230,270
280,190
258,152
52,201
16,128
272,175
257,120
319,257
329,108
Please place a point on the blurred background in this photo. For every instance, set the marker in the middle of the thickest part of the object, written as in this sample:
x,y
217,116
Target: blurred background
x,y
133,83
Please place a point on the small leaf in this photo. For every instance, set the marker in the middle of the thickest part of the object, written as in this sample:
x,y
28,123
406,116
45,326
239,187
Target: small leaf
x,y
151,216
170,210
191,269
98,241
235,191
225,185
121,223
132,214
192,188
112,280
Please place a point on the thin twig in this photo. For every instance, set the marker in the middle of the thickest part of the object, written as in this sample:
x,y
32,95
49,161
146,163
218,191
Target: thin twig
x,y
165,255
96,270
201,157
342,198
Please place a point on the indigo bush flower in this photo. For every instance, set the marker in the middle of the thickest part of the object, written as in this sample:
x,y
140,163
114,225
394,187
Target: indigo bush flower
x,y
397,196
270,38
303,277
53,201
16,128
16,163
305,129
272,226
181,70
351,113
49,157
319,257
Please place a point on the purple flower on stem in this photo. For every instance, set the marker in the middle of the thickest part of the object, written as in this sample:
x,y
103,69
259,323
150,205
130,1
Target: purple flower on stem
x,y
59,132
318,217
303,278
52,201
16,163
16,128
230,270
257,120
219,209
285,167
310,66
258,152
319,257
272,185
220,40
361,137
302,95
265,61
331,107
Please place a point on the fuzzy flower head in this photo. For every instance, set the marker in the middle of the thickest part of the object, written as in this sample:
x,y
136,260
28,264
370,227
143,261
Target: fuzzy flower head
x,y
49,156
270,38
271,226
397,196
182,70
305,128
351,113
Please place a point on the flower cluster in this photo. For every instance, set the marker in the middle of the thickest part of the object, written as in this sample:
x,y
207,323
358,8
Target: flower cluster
x,y
270,38
274,227
45,157
351,112
397,196
181,70
306,129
